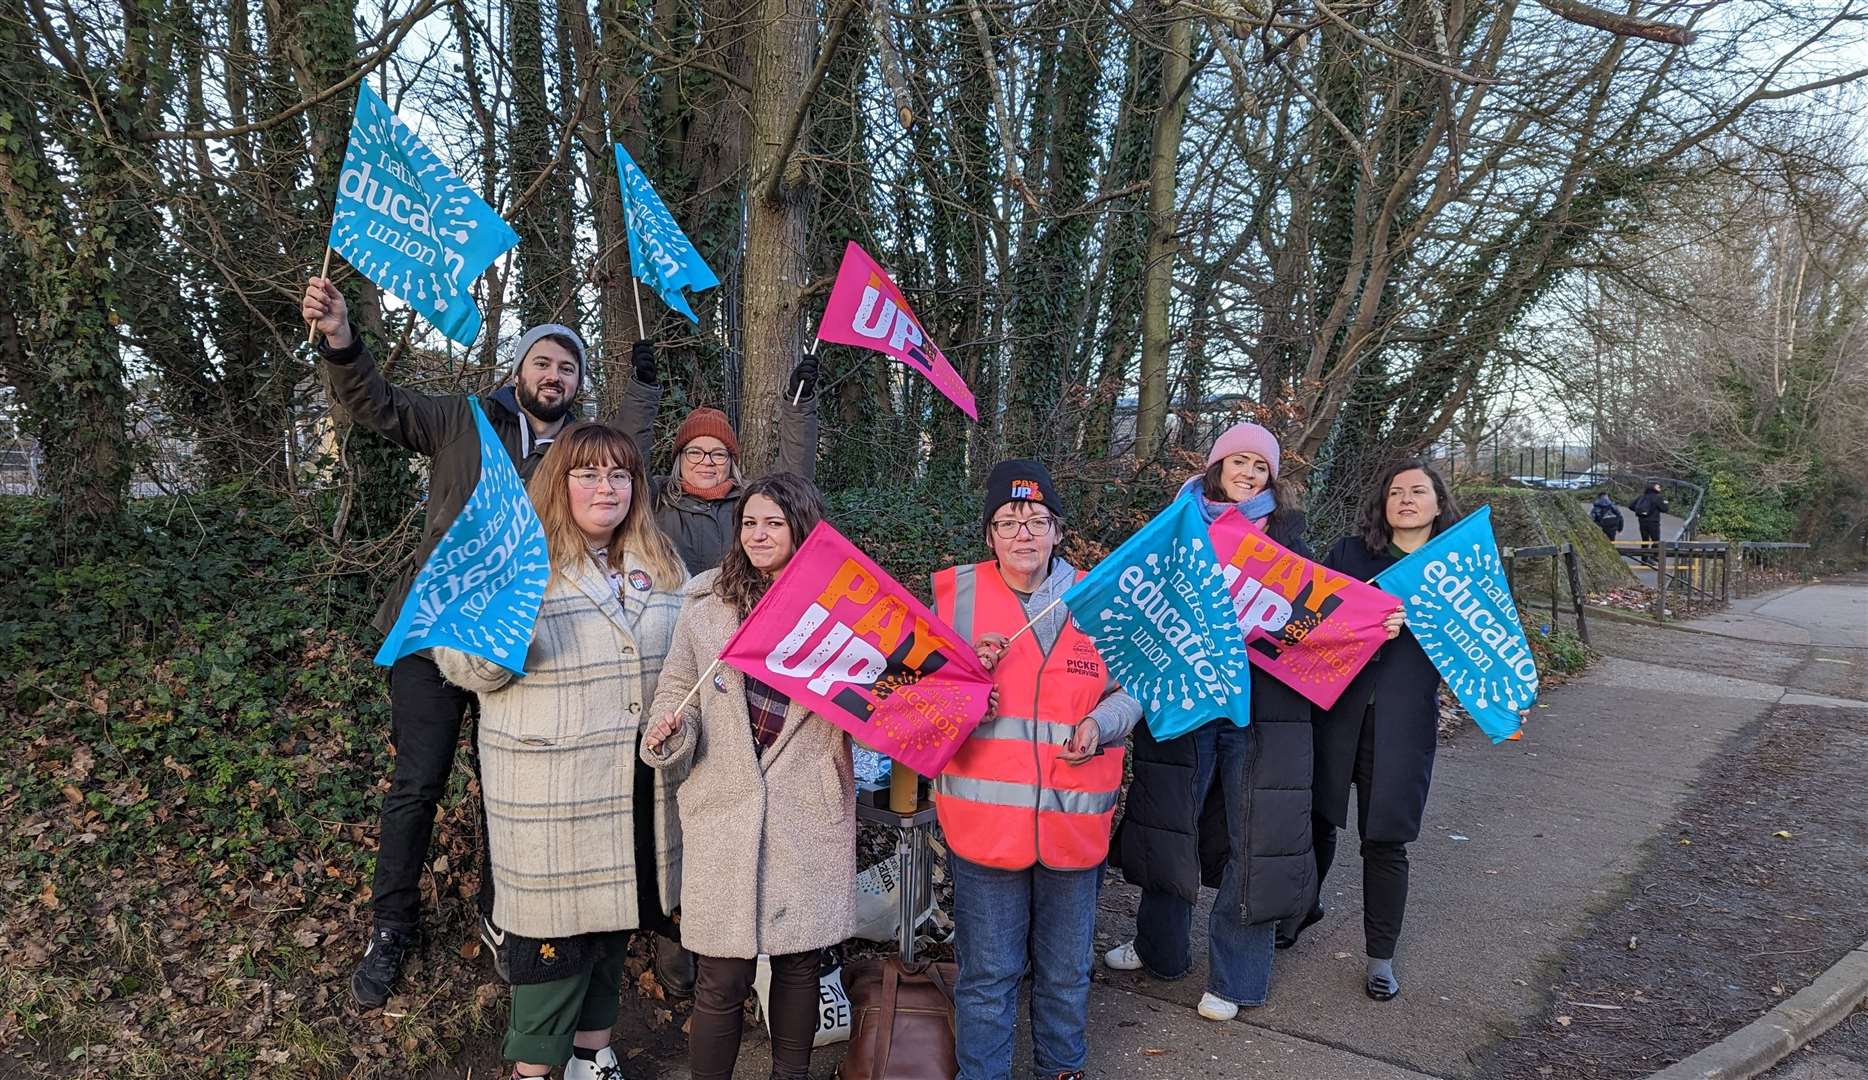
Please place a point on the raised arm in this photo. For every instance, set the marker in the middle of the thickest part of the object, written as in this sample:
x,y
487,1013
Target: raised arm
x,y
797,424
411,420
641,402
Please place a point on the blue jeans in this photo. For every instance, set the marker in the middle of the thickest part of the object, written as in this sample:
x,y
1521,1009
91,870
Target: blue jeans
x,y
1005,923
1238,957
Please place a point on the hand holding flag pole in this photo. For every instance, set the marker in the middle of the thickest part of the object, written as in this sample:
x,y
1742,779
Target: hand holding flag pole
x,y
656,736
311,331
798,394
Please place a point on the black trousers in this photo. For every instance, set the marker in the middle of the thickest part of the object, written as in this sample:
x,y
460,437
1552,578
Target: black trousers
x,y
721,985
1384,863
426,713
1650,529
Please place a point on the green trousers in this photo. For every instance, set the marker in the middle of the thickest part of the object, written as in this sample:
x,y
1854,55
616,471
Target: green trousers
x,y
545,1016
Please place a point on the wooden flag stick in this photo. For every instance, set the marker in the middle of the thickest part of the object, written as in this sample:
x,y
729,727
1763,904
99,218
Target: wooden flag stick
x,y
1033,622
679,709
311,332
635,286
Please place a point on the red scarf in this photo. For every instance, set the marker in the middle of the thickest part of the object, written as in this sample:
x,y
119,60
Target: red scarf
x,y
719,491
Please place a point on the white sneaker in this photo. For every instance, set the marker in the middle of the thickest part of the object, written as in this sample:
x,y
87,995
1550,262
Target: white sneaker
x,y
1217,1008
1123,958
606,1067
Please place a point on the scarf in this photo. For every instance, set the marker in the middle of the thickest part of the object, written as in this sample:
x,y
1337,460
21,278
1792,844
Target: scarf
x,y
1259,507
1256,509
719,491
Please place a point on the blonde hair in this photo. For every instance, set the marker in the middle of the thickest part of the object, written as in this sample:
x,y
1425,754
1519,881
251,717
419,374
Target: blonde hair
x,y
590,445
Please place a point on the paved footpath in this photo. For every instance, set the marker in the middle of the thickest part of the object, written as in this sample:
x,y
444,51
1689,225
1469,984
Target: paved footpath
x,y
1520,841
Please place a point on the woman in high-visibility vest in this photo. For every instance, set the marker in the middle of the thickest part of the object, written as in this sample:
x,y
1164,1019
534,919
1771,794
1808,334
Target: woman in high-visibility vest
x,y
1223,805
1027,802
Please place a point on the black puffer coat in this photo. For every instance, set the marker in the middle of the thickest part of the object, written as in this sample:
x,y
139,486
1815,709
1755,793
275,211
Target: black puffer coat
x,y
1167,844
1404,687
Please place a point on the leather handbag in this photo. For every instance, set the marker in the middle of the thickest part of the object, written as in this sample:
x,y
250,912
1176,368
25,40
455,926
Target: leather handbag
x,y
902,1028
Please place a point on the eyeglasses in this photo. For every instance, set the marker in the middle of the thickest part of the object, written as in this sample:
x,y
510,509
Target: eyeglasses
x,y
591,479
1007,528
695,455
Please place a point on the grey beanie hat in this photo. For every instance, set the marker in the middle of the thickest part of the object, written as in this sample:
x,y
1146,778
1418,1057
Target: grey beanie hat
x,y
544,330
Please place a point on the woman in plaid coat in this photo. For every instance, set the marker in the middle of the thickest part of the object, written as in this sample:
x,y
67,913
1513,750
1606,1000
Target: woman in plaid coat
x,y
585,847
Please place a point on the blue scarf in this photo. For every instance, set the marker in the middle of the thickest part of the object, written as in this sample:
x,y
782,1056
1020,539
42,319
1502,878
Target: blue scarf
x,y
1255,508
1259,506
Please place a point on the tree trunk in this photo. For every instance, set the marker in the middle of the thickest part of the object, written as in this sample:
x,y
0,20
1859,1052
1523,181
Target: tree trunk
x,y
73,386
784,45
546,283
1158,283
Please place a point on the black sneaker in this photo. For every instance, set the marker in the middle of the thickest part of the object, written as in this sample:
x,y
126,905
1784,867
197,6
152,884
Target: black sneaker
x,y
381,965
494,939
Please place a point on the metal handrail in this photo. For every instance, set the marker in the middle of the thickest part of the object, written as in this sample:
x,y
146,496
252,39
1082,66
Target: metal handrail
x,y
1689,525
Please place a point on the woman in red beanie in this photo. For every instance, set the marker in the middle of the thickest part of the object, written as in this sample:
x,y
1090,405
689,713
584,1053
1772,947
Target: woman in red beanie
x,y
694,502
1223,805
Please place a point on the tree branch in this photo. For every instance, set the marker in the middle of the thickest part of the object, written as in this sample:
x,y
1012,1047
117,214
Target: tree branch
x,y
1620,25
838,24
363,71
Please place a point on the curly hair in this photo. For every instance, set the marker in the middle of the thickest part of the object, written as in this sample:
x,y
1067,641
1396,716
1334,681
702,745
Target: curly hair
x,y
740,584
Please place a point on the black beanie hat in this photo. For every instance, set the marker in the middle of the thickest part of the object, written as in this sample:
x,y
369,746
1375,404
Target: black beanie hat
x,y
1019,479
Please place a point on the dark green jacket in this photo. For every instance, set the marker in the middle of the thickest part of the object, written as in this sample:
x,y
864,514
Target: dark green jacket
x,y
702,530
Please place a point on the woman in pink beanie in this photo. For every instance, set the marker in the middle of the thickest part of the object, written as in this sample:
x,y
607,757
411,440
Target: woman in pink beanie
x,y
1224,806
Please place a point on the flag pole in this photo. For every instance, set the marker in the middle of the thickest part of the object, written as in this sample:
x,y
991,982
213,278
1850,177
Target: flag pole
x,y
311,332
679,709
815,338
1033,622
635,286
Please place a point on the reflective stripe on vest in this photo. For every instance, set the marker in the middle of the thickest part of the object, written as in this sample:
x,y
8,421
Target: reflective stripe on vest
x,y
1007,799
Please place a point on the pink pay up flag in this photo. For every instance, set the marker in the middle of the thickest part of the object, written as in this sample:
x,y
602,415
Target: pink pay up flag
x,y
867,310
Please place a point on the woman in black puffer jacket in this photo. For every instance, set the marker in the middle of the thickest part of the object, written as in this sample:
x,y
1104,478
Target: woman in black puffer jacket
x,y
1223,805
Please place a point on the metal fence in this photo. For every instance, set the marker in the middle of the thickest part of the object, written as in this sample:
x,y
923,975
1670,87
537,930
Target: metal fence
x,y
1527,562
1712,571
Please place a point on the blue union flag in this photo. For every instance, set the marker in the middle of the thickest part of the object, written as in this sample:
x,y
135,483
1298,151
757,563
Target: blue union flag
x,y
1459,607
1158,610
659,252
410,225
480,589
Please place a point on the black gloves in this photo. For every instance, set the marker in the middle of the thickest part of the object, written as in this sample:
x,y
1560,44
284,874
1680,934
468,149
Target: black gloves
x,y
642,355
803,381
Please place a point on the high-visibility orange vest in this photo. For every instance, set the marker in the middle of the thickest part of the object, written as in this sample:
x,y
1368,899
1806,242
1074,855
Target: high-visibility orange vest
x,y
1006,800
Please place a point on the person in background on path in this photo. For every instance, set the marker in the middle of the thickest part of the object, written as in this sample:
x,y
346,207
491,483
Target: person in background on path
x,y
1026,803
1648,508
1222,805
1380,736
1606,517
426,712
767,805
581,854
695,503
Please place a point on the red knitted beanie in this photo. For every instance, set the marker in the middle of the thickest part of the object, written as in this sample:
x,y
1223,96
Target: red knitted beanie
x,y
706,422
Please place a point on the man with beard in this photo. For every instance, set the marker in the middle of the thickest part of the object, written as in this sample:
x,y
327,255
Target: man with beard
x,y
426,711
